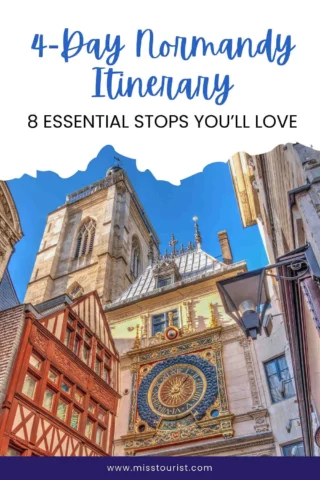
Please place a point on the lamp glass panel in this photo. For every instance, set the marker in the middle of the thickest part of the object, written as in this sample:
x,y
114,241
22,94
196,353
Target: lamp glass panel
x,y
244,288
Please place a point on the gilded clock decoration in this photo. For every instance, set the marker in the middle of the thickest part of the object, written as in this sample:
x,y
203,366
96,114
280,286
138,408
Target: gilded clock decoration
x,y
176,390
177,387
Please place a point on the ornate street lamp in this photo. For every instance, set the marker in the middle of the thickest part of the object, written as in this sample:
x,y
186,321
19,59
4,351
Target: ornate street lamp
x,y
245,298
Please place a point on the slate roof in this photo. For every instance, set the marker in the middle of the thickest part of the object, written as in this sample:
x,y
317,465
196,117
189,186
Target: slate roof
x,y
8,296
53,304
191,265
11,328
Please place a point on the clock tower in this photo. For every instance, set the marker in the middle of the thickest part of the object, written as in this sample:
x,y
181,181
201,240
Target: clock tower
x,y
100,239
189,379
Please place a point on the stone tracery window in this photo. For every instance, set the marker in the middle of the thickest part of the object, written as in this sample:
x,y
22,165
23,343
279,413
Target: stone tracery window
x,y
85,238
135,257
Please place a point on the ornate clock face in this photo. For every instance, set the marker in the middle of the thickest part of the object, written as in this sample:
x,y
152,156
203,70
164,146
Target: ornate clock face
x,y
176,388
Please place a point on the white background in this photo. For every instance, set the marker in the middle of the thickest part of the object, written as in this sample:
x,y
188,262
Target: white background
x,y
49,86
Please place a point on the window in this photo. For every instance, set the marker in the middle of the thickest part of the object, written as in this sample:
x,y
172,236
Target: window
x,y
89,428
161,321
75,418
96,422
86,354
78,396
135,257
76,346
70,321
79,340
99,350
102,415
293,450
280,383
66,387
105,374
97,366
13,452
29,386
35,362
164,281
99,433
67,340
87,337
52,376
79,329
62,410
48,400
85,239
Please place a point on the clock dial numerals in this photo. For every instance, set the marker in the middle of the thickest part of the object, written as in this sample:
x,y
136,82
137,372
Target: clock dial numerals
x,y
177,390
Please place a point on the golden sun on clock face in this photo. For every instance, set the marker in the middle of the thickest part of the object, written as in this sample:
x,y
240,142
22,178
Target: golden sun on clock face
x,y
177,390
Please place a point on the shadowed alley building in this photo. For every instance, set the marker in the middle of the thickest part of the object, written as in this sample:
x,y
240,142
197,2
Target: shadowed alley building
x,y
280,192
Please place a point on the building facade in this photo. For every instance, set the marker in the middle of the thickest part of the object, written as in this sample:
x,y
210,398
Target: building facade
x,y
280,192
10,228
190,382
10,234
170,323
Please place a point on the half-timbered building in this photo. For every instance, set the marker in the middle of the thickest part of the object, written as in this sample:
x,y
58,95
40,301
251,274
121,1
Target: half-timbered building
x,y
58,379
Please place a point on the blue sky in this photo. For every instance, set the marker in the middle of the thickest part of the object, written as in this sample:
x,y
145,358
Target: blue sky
x,y
208,195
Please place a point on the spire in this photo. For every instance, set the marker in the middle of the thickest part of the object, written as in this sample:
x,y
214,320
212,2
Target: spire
x,y
197,234
213,320
173,242
150,250
190,247
137,339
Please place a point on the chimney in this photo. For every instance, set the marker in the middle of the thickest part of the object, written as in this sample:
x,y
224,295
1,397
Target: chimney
x,y
225,247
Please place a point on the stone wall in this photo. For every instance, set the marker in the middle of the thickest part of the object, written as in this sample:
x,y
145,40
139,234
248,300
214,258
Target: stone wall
x,y
107,268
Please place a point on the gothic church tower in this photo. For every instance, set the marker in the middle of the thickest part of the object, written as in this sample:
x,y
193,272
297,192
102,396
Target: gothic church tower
x,y
100,239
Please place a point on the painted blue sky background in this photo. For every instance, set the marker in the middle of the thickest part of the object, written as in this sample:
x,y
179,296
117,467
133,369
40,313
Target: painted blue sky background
x,y
208,195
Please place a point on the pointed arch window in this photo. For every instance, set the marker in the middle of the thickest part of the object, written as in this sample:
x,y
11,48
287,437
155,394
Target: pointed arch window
x,y
135,257
85,238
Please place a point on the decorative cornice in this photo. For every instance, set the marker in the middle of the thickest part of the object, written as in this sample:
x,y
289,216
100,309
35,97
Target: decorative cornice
x,y
229,334
219,447
213,334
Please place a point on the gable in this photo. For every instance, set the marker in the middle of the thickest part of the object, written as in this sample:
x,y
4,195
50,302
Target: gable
x,y
89,310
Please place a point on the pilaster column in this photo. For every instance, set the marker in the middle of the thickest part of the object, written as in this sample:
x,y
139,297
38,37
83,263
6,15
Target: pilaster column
x,y
254,389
